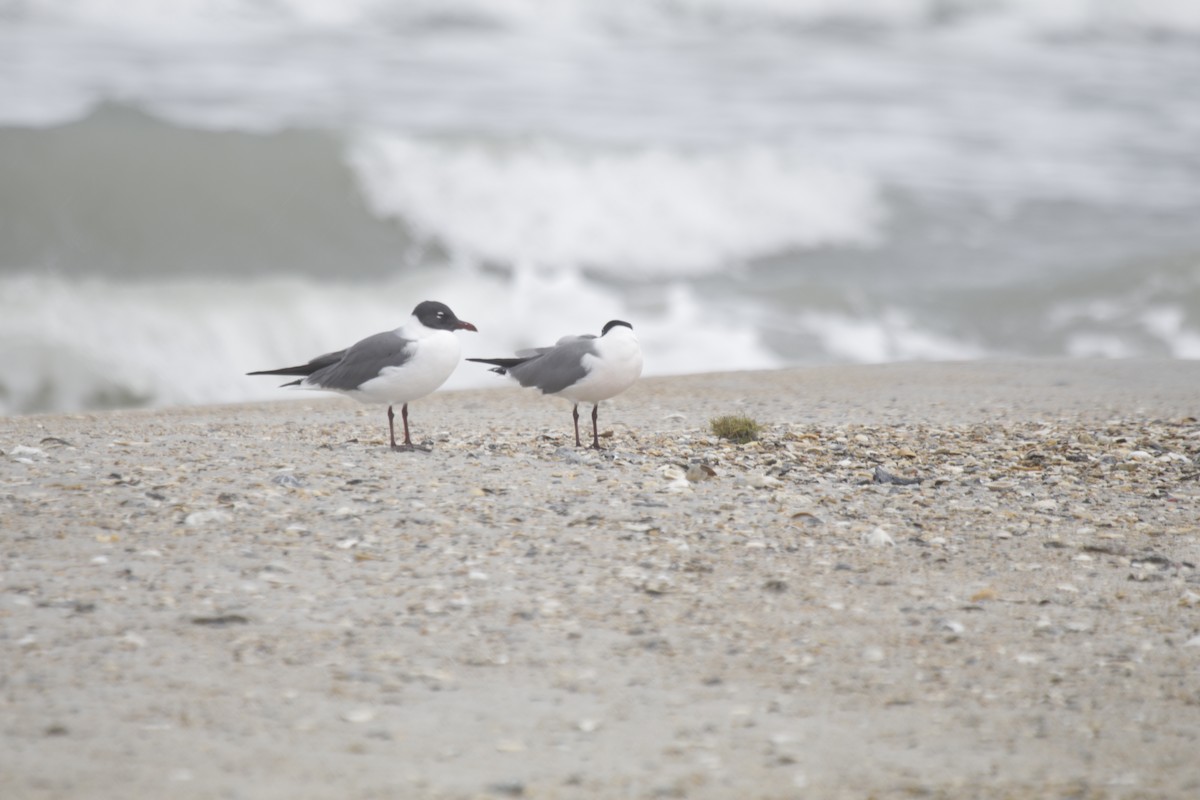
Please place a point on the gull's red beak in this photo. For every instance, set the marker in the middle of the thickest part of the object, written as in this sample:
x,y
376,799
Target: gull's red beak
x,y
466,326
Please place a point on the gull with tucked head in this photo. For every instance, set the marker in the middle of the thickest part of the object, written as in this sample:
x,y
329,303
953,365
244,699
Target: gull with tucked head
x,y
582,369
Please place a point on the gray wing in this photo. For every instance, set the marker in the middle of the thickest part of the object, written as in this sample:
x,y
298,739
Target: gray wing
x,y
362,361
555,368
540,351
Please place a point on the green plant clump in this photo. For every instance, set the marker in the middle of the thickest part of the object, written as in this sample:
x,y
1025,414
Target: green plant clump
x,y
736,429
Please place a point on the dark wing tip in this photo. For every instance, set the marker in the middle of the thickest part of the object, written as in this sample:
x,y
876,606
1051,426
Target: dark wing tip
x,y
303,369
500,366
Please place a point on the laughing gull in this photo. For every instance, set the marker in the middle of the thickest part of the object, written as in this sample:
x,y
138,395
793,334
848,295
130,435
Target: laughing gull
x,y
392,367
583,369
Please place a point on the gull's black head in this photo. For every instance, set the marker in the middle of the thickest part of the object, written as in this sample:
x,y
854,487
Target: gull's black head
x,y
438,316
614,323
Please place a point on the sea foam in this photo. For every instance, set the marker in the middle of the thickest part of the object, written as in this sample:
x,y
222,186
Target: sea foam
x,y
607,17
640,212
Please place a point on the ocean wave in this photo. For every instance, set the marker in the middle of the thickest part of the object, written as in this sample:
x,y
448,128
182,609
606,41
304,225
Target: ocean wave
x,y
608,18
1151,310
85,343
636,212
892,335
123,193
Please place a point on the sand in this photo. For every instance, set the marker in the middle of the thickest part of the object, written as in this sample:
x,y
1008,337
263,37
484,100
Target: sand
x,y
947,580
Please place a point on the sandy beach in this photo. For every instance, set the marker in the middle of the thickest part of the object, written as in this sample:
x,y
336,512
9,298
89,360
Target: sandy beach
x,y
924,580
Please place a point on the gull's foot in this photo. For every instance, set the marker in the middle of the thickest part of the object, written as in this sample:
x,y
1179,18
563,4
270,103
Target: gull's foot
x,y
409,448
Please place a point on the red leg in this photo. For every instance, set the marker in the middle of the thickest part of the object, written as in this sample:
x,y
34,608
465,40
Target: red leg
x,y
408,445
595,428
575,416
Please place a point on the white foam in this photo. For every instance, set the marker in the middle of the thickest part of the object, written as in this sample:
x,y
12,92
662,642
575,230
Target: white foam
x,y
607,16
1142,321
72,345
643,212
1098,345
890,336
694,337
1168,322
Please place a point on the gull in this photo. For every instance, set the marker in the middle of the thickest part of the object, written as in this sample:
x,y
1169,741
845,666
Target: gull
x,y
582,369
391,367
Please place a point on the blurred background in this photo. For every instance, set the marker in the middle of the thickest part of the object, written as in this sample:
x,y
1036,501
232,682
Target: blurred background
x,y
194,189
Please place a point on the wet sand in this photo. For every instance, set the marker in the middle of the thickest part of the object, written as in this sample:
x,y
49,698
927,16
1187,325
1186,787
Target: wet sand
x,y
944,580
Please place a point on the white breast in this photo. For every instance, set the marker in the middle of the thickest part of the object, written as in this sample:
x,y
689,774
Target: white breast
x,y
616,366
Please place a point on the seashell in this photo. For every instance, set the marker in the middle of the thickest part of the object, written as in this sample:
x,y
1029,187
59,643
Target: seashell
x,y
878,538
197,518
359,715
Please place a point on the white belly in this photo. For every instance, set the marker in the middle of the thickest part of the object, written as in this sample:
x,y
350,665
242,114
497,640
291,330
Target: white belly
x,y
436,357
618,367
